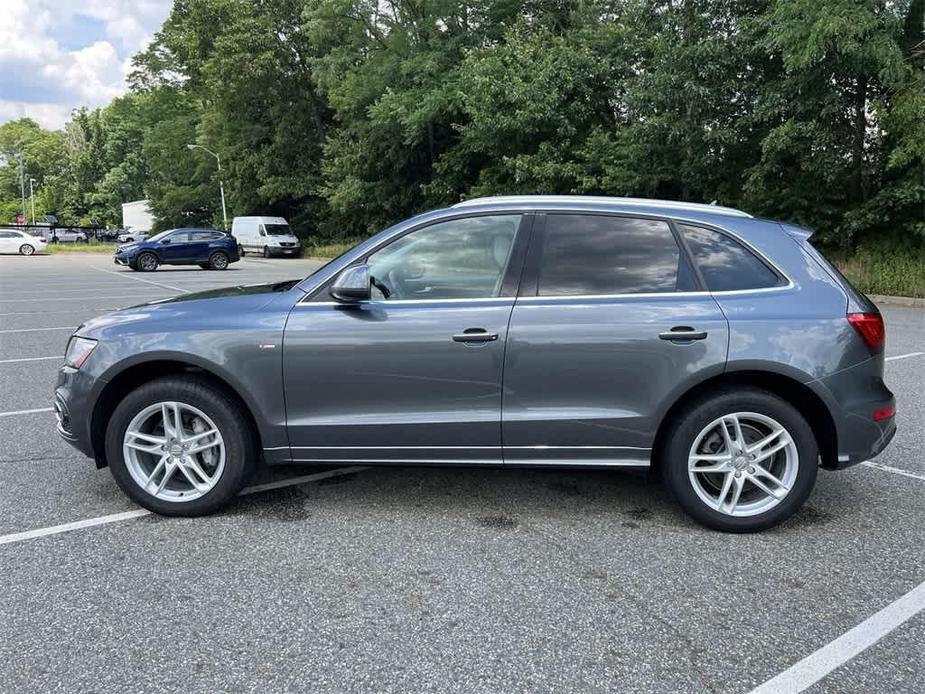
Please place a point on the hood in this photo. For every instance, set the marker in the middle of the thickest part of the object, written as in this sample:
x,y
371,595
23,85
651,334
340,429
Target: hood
x,y
187,311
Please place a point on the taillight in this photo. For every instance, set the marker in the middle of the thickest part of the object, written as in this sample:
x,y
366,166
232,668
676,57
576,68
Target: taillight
x,y
884,413
870,328
41,239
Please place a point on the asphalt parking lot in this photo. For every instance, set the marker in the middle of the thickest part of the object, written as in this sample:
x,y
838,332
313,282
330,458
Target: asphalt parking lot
x,y
419,579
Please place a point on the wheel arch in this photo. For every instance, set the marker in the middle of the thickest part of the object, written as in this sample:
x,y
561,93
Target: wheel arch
x,y
136,374
809,403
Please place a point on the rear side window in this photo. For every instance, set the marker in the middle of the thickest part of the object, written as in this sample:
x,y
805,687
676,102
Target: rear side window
x,y
600,254
726,264
205,235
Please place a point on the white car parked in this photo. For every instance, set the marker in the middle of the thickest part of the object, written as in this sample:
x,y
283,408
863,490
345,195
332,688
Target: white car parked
x,y
15,241
266,235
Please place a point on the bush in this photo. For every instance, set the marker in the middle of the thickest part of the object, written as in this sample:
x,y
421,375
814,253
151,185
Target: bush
x,y
886,266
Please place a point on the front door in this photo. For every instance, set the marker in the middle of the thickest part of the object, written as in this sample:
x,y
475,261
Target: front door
x,y
610,326
177,250
413,375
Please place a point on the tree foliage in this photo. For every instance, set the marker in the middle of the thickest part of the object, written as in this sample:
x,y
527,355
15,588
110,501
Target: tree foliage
x,y
347,115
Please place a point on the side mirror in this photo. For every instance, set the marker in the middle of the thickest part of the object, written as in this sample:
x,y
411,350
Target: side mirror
x,y
165,241
352,284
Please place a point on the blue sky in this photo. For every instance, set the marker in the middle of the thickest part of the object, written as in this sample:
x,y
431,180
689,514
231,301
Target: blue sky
x,y
56,55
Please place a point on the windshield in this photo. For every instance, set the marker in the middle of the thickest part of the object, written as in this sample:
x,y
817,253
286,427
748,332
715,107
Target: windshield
x,y
277,229
162,235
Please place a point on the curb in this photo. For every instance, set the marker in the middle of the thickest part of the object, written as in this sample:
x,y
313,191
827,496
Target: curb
x,y
916,302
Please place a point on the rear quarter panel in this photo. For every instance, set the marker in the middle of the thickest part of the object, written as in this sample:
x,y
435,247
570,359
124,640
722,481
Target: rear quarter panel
x,y
799,329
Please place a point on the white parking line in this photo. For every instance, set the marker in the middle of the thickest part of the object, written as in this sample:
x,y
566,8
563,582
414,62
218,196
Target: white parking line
x,y
140,279
905,356
19,412
138,513
894,470
76,525
815,666
14,361
38,330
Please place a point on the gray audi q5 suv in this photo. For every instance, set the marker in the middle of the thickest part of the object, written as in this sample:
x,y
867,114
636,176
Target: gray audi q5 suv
x,y
720,350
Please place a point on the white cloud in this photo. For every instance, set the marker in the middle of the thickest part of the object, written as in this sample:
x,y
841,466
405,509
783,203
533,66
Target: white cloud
x,y
56,55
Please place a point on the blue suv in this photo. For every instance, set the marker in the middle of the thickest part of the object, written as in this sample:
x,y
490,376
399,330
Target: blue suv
x,y
210,249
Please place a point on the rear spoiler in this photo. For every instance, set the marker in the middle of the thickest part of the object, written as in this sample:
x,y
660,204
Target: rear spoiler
x,y
800,234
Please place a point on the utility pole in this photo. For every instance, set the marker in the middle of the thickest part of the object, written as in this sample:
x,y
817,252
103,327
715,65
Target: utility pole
x,y
22,185
32,197
221,185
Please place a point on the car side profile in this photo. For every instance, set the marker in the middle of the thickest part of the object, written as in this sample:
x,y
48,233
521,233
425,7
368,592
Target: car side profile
x,y
210,249
16,241
719,350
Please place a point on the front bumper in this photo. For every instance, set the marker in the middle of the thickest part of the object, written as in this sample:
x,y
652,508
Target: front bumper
x,y
121,259
285,251
74,399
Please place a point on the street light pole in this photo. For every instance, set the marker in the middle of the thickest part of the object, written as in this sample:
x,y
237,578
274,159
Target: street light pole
x,y
22,185
32,197
221,184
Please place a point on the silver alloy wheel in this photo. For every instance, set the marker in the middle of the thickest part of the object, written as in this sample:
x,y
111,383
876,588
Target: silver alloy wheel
x,y
174,451
147,261
743,464
26,249
219,261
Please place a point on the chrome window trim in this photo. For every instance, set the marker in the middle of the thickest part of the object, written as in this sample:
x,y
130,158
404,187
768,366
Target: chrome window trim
x,y
670,216
490,299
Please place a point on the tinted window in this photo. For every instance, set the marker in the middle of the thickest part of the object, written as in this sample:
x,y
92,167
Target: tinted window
x,y
179,237
725,263
205,235
8,235
596,254
457,259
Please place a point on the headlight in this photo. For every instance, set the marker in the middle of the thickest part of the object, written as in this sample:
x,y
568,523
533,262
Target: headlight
x,y
78,349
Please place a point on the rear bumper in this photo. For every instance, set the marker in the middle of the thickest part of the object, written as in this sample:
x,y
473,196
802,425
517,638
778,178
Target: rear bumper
x,y
855,394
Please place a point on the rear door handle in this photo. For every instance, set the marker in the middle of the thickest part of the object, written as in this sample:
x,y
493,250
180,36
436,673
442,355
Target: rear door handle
x,y
683,333
475,335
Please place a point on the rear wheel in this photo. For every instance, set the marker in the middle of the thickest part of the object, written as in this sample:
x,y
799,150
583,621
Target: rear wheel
x,y
26,249
218,260
176,446
146,262
241,251
740,460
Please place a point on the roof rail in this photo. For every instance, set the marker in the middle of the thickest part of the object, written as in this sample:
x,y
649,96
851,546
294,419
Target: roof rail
x,y
602,200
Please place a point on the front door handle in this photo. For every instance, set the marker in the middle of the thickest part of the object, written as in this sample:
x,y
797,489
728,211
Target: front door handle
x,y
683,333
475,335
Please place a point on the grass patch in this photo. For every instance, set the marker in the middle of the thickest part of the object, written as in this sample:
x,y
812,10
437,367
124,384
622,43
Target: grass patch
x,y
885,267
330,249
91,247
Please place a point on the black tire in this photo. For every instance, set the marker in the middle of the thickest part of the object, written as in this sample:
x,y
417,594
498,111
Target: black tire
x,y
146,262
218,404
241,251
133,267
689,423
26,249
218,261
266,252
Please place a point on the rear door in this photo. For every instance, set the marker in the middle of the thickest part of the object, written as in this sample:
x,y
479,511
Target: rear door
x,y
611,325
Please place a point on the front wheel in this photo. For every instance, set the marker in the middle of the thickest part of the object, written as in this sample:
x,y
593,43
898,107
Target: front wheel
x,y
26,249
147,262
266,252
740,460
177,447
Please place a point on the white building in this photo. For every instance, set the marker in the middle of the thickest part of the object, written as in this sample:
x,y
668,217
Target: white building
x,y
137,216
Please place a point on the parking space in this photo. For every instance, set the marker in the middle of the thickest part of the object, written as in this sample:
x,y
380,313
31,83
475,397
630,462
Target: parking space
x,y
397,579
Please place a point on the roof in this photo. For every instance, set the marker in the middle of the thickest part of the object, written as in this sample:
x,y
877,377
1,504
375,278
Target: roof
x,y
651,203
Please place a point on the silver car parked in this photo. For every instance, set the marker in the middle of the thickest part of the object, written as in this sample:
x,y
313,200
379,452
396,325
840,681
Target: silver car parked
x,y
720,350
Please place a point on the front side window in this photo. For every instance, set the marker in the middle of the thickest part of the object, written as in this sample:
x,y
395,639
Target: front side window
x,y
179,237
456,259
726,265
601,254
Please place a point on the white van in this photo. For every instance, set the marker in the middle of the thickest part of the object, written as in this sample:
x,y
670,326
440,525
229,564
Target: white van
x,y
266,235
